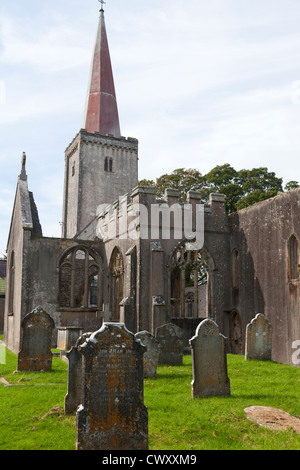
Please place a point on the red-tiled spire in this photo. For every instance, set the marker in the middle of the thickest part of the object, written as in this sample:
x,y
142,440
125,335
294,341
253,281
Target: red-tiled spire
x,y
101,109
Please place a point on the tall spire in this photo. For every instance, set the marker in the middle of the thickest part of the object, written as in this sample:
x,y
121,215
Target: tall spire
x,y
101,109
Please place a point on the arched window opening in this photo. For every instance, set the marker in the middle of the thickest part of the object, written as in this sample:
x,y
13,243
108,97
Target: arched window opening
x,y
189,278
79,280
293,258
116,283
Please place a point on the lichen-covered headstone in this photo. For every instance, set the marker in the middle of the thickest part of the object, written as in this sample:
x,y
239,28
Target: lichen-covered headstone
x,y
73,397
170,338
112,415
209,361
151,355
259,339
35,353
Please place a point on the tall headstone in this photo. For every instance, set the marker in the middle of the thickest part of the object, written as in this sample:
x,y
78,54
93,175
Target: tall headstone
x,y
35,353
170,338
73,397
112,415
151,356
259,339
209,361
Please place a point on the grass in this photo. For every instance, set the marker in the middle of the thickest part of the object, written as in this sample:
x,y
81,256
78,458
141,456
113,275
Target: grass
x,y
32,417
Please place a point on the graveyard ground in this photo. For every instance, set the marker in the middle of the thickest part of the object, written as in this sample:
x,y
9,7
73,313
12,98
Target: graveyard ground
x,y
32,415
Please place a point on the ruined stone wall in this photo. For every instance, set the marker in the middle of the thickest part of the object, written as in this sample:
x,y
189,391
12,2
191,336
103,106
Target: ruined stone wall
x,y
261,235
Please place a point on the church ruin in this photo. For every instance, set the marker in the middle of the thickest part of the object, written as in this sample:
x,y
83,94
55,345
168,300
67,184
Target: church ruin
x,y
248,263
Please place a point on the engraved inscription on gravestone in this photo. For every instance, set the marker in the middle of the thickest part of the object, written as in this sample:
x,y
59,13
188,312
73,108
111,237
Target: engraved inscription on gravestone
x,y
113,415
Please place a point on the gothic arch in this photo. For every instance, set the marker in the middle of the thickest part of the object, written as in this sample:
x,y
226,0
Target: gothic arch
x,y
189,271
235,333
80,278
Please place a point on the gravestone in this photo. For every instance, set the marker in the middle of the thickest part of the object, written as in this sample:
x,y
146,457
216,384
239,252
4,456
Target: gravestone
x,y
151,356
209,361
67,337
112,415
73,397
170,338
35,353
259,339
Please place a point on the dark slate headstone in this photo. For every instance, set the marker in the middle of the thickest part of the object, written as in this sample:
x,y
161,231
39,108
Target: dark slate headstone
x,y
112,415
170,338
151,356
209,361
73,397
35,353
259,339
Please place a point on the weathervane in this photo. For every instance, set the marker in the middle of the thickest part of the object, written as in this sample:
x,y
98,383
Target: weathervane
x,y
102,3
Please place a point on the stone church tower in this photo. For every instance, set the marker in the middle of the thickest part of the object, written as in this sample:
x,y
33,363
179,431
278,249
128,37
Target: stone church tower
x,y
100,164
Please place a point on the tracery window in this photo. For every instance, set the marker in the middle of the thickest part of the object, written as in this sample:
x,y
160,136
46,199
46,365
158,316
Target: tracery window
x,y
79,284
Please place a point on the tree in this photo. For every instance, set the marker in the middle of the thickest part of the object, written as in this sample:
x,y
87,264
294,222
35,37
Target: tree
x,y
182,180
241,188
291,185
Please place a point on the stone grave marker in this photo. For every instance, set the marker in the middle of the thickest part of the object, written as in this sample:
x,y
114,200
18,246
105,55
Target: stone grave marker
x,y
112,415
170,338
35,353
209,361
73,397
151,356
259,339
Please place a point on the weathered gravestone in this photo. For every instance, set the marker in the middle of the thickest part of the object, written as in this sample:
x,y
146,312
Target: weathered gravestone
x,y
209,361
112,415
170,338
35,353
73,397
151,355
258,339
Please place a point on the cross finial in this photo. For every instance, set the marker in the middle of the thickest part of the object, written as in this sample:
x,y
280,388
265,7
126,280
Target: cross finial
x,y
102,3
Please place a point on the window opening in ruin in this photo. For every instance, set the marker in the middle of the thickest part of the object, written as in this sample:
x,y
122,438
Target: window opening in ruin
x,y
116,283
293,258
235,333
189,279
108,164
79,280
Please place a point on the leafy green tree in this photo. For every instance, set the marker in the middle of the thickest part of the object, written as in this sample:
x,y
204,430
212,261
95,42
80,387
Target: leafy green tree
x,y
181,179
241,188
291,185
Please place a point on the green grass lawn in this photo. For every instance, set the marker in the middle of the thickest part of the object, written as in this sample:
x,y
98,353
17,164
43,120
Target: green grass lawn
x,y
32,417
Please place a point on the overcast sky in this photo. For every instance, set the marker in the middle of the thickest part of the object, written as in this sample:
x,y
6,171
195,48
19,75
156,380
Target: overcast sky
x,y
199,83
